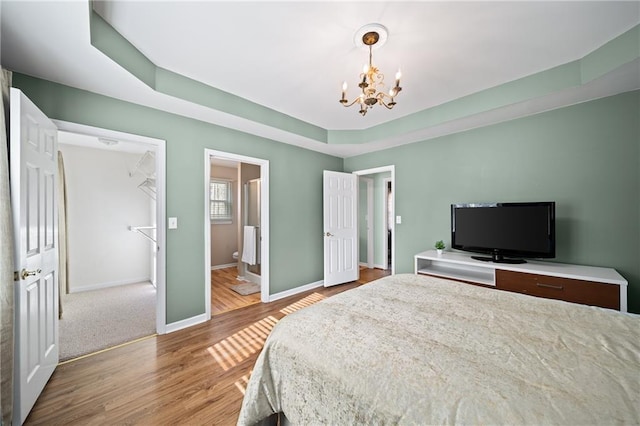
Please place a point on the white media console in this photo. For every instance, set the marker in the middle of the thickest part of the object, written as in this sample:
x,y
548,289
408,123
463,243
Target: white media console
x,y
588,285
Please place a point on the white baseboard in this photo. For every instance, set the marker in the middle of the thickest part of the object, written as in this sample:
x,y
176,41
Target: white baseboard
x,y
227,265
375,266
98,286
188,322
294,291
272,298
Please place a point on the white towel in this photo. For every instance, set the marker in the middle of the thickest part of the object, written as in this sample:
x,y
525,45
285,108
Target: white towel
x,y
249,245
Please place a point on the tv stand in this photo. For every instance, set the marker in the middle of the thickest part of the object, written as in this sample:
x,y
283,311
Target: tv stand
x,y
498,258
587,285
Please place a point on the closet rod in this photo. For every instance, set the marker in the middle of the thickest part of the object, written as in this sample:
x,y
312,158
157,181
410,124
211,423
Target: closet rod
x,y
139,230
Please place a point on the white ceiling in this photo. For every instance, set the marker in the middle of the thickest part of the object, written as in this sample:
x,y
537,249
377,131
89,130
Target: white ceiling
x,y
107,144
292,57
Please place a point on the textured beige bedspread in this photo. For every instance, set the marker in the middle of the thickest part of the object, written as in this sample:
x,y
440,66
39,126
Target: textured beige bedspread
x,y
412,349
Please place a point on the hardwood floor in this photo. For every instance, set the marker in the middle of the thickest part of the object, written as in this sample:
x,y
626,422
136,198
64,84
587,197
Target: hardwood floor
x,y
193,376
223,299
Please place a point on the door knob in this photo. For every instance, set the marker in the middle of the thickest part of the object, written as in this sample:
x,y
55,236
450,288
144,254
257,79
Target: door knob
x,y
328,234
24,273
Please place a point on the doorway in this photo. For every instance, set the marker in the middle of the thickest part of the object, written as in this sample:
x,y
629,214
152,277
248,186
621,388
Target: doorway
x,y
387,194
377,199
138,163
366,222
237,231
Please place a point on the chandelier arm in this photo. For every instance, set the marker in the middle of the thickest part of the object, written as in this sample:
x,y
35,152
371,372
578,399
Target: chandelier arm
x,y
380,101
344,104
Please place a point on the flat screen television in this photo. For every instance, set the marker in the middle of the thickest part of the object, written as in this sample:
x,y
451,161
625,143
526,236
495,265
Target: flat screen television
x,y
509,232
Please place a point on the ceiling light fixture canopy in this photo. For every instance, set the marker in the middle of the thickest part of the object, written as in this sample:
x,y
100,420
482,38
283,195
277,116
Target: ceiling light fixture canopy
x,y
371,79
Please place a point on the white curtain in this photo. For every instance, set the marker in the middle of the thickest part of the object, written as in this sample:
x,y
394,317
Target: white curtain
x,y
63,261
6,261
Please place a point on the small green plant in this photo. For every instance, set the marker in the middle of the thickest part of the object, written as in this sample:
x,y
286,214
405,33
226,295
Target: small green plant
x,y
440,245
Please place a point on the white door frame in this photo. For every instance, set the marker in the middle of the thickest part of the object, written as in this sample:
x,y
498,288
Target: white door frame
x,y
159,146
264,221
392,170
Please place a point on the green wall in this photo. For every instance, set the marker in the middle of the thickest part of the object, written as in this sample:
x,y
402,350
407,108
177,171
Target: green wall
x,y
296,244
585,157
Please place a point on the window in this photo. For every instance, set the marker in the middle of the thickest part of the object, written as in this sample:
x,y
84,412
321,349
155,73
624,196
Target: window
x,y
220,201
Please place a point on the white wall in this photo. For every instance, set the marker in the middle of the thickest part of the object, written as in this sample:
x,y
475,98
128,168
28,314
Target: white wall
x,y
102,202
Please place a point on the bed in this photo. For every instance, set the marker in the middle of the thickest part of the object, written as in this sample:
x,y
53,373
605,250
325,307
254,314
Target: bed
x,y
414,349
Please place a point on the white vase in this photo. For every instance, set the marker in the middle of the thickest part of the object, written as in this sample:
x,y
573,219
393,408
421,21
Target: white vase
x,y
439,251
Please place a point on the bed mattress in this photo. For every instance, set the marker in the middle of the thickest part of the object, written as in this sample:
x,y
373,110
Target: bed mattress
x,y
413,349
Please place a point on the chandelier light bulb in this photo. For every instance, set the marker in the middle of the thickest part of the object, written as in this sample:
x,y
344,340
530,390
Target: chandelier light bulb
x,y
343,100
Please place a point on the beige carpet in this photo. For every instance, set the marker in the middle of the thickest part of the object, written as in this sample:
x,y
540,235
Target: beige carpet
x,y
100,319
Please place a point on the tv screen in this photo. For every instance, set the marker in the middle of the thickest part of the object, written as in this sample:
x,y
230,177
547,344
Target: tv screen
x,y
504,230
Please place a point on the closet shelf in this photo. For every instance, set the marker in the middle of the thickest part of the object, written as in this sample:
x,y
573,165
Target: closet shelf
x,y
146,165
148,186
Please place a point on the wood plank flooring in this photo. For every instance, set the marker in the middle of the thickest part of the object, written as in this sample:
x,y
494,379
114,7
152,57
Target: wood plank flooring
x,y
223,299
193,376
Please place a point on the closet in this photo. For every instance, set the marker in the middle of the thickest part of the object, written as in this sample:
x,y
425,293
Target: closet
x,y
144,171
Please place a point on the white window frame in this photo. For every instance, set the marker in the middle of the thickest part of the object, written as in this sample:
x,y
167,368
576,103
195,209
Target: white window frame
x,y
228,219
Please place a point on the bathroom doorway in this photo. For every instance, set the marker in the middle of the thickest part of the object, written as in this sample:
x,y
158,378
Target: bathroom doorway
x,y
237,231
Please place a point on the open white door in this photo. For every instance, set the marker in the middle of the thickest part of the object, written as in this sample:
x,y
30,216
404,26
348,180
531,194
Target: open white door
x,y
340,206
33,171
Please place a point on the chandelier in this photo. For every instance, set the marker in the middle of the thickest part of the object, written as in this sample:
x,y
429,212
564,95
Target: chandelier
x,y
371,79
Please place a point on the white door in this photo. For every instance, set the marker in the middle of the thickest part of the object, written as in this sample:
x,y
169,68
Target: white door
x,y
340,201
33,169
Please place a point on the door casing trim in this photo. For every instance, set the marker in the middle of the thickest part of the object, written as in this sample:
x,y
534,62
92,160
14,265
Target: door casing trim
x,y
159,146
264,221
384,169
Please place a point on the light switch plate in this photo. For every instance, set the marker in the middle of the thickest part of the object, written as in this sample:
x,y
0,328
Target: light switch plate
x,y
398,219
173,223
